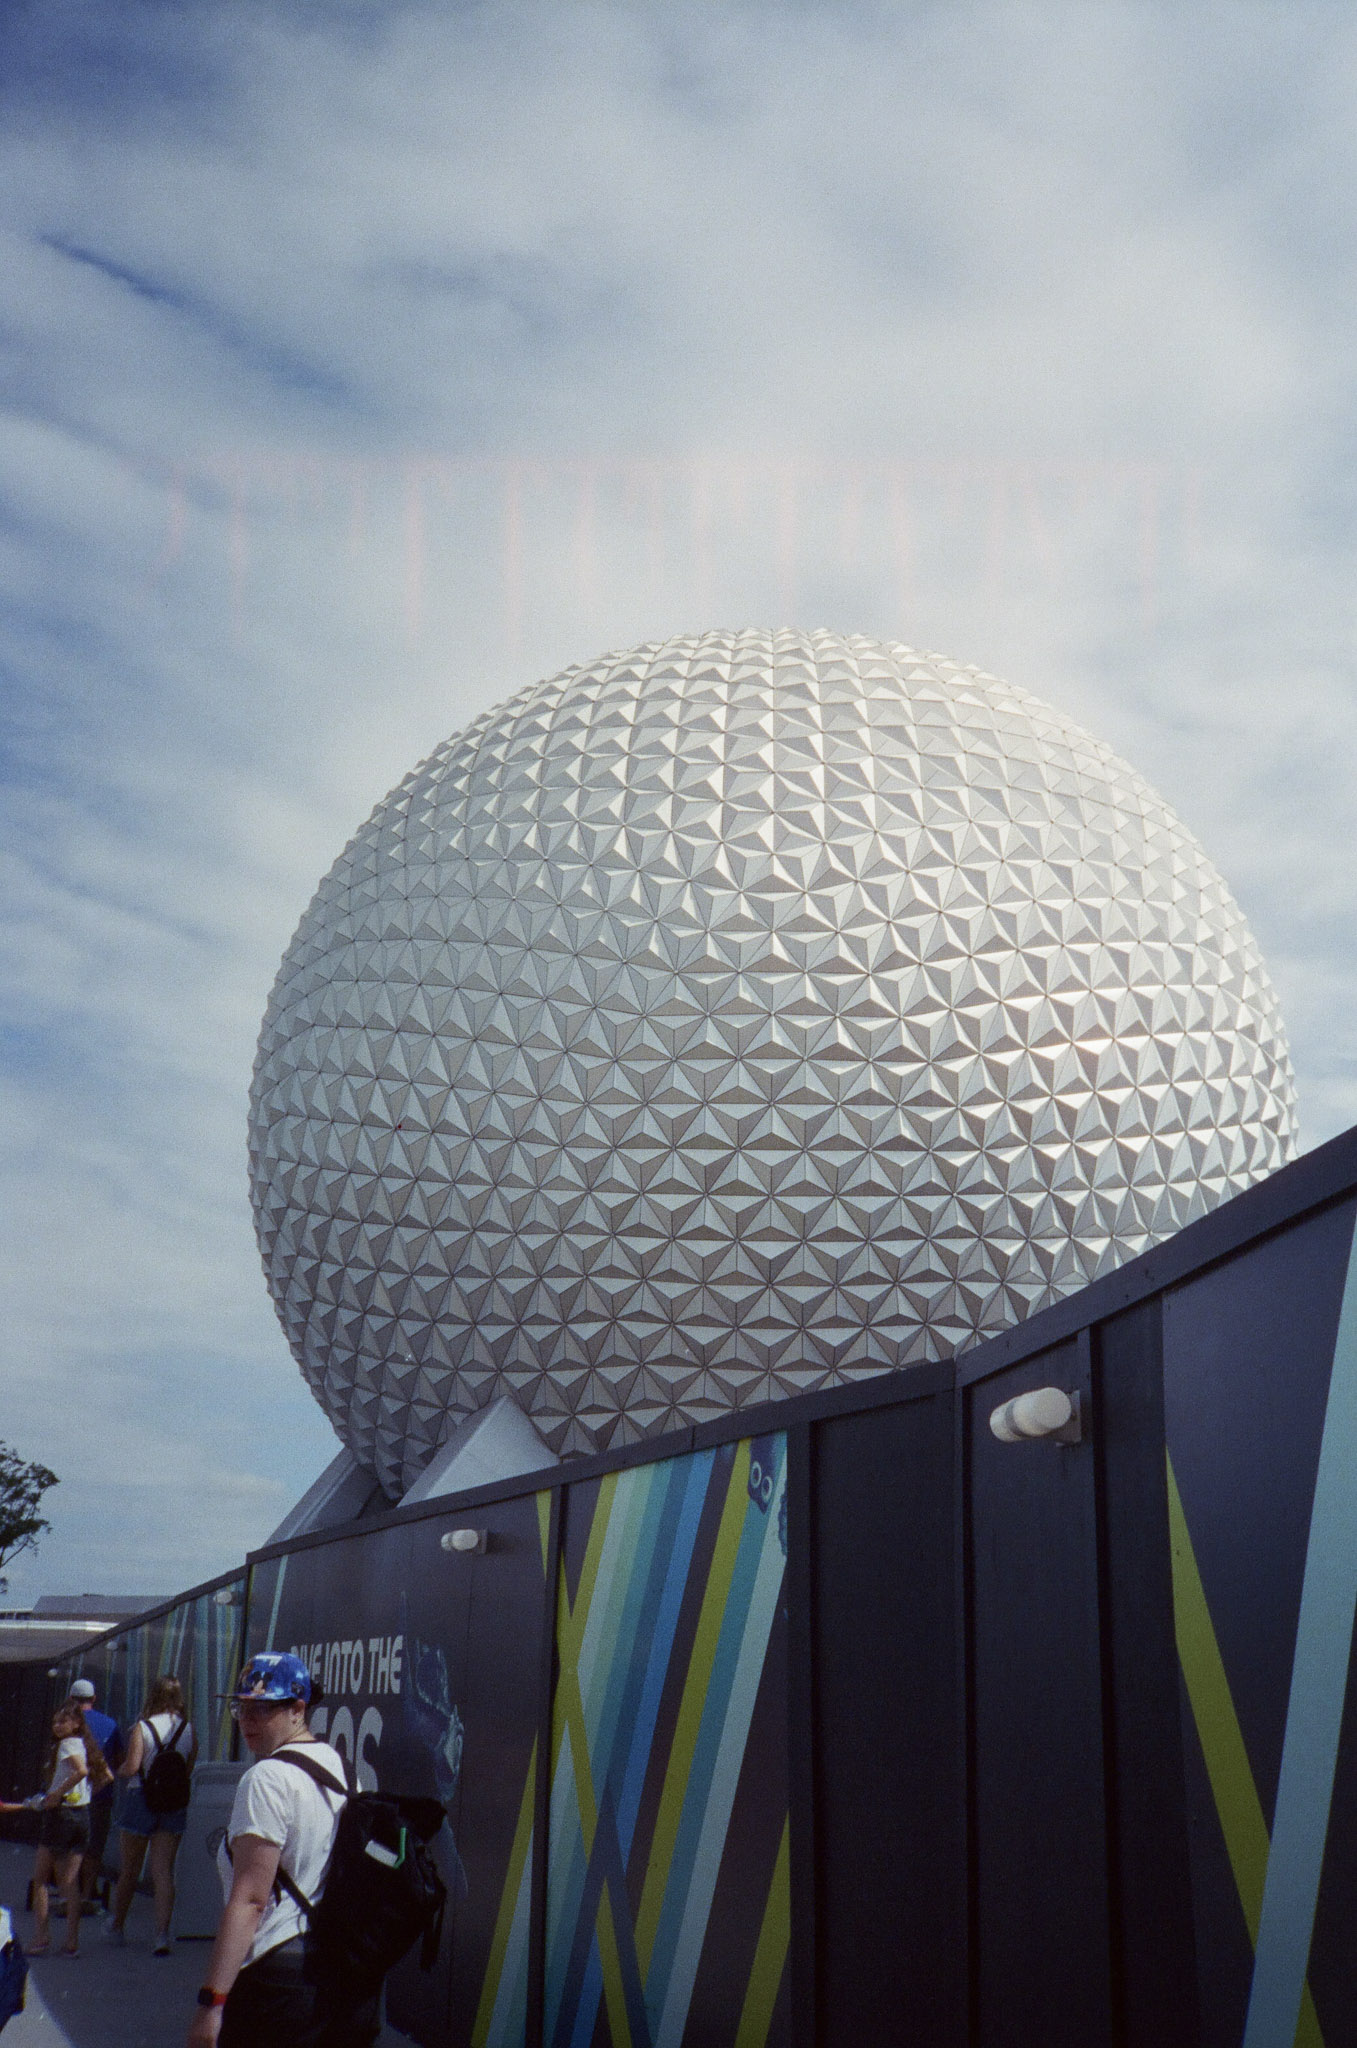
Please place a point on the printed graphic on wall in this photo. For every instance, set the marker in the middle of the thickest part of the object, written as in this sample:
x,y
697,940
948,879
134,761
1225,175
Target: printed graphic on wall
x,y
197,1642
668,1896
431,1665
1260,1392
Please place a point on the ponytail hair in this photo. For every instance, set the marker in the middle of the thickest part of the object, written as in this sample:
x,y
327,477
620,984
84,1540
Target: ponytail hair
x,y
165,1697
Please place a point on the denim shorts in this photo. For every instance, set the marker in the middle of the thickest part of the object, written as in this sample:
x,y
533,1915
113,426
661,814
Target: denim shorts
x,y
136,1818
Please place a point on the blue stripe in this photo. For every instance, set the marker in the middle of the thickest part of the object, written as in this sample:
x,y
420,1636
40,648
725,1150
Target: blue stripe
x,y
591,1994
734,1621
660,1561
618,1614
623,1696
662,1641
644,1507
1314,1715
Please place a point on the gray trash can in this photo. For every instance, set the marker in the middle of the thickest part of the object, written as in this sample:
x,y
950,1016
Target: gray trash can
x,y
197,1905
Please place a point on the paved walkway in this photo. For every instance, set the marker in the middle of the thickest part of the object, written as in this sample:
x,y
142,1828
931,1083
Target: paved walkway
x,y
110,1997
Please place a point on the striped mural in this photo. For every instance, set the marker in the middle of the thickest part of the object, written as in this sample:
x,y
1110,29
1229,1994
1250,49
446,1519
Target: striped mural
x,y
667,1889
1260,1385
198,1641
1243,1826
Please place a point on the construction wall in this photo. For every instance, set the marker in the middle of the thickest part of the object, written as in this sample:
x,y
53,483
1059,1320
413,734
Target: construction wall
x,y
844,1722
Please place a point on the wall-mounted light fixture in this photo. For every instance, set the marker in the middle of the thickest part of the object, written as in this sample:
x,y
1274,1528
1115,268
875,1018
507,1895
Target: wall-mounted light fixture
x,y
470,1542
227,1596
1046,1414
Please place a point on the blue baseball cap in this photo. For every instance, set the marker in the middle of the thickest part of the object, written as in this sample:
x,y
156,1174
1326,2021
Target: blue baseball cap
x,y
274,1675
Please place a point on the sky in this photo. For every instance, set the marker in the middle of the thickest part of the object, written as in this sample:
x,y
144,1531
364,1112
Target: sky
x,y
361,363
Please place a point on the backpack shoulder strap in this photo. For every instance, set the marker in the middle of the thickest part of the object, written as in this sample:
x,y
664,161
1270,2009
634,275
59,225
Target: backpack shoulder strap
x,y
327,1780
146,1761
283,1883
316,1772
180,1725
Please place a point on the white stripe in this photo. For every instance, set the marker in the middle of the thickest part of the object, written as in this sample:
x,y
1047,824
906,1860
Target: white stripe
x,y
506,2021
1314,1715
725,1778
599,1646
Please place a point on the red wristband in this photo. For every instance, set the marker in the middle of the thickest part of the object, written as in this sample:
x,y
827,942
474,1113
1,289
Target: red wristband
x,y
210,1999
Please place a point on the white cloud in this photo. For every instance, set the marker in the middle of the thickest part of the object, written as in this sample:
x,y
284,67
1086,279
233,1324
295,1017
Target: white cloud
x,y
359,367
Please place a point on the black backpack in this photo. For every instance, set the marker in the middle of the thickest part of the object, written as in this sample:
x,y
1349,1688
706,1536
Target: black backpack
x,y
382,1891
165,1780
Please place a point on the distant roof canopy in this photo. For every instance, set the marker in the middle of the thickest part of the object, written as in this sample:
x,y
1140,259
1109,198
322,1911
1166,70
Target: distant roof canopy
x,y
57,1623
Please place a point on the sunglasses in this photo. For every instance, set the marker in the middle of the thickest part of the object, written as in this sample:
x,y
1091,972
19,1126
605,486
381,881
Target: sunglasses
x,y
240,1708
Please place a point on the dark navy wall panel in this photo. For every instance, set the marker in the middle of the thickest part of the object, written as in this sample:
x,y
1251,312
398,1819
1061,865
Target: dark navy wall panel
x,y
27,1698
1247,1351
889,1804
1041,1965
1153,1959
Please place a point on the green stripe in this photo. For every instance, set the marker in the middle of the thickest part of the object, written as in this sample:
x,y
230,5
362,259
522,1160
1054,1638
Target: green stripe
x,y
1213,1710
689,1724
570,1626
610,1532
1227,1760
508,1906
544,1524
770,1954
602,1660
610,1963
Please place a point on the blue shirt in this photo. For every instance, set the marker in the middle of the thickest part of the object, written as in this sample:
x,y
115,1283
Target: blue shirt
x,y
108,1735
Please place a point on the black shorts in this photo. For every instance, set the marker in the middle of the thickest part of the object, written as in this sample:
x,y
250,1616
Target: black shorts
x,y
273,2006
63,1828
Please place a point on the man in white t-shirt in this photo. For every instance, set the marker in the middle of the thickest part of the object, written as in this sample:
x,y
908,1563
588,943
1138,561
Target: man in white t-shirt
x,y
256,1994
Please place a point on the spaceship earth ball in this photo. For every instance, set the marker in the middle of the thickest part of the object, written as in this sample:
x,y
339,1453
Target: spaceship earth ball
x,y
732,1017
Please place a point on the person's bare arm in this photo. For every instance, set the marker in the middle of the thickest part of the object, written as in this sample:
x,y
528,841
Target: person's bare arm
x,y
254,1865
131,1763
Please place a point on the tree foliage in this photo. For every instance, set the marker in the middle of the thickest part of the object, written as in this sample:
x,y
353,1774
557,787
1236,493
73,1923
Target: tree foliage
x,y
22,1486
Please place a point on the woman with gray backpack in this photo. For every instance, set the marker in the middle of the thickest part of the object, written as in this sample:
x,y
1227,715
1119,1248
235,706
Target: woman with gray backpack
x,y
161,1752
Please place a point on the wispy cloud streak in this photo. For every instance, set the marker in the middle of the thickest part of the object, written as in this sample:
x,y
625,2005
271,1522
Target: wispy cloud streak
x,y
358,365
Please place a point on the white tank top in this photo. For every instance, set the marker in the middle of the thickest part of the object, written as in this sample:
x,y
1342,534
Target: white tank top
x,y
164,1728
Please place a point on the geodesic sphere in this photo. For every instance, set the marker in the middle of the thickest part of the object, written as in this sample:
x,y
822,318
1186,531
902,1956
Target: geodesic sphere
x,y
733,1017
